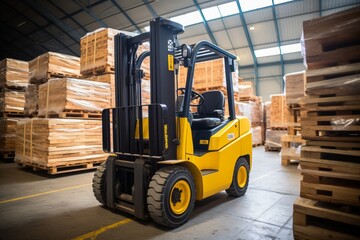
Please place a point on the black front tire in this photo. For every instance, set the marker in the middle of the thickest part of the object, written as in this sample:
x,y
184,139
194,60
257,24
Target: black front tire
x,y
160,196
238,189
99,183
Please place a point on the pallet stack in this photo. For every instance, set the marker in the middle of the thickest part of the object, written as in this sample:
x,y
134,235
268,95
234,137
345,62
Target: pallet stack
x,y
291,143
64,133
330,194
14,75
249,105
278,123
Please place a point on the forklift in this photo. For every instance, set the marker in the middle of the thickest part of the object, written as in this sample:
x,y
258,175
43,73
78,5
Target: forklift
x,y
163,157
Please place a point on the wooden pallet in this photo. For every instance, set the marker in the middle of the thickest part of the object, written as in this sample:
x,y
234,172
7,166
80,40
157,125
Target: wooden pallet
x,y
317,220
294,120
62,167
283,128
76,114
339,80
12,114
333,118
257,144
98,71
251,99
288,153
272,149
331,172
7,155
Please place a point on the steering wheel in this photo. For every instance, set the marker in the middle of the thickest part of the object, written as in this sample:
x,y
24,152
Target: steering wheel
x,y
194,96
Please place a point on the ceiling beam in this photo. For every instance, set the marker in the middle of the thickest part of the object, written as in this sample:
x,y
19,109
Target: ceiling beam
x,y
67,15
40,27
282,85
43,12
150,8
91,14
251,46
206,25
270,64
126,15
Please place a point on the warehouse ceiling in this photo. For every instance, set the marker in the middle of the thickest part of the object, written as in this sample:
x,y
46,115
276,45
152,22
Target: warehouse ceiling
x,y
257,31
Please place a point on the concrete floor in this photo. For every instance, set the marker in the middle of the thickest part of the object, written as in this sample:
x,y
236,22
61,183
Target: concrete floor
x,y
63,207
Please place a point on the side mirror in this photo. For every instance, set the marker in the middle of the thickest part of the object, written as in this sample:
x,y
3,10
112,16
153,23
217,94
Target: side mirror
x,y
185,51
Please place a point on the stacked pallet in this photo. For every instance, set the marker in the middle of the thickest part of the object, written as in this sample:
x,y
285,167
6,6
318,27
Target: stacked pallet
x,y
44,67
59,145
14,76
290,143
278,123
328,207
209,75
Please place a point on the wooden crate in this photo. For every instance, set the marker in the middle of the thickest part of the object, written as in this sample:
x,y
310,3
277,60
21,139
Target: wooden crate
x,y
12,101
317,220
332,40
73,95
289,148
331,172
50,65
334,118
294,87
14,73
278,112
48,143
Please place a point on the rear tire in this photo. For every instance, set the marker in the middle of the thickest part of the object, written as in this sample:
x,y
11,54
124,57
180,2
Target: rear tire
x,y
99,183
171,196
240,180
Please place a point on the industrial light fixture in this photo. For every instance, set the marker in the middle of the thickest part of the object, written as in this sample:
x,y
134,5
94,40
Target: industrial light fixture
x,y
252,28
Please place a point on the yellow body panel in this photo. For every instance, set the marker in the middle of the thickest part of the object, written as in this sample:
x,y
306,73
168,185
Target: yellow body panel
x,y
218,163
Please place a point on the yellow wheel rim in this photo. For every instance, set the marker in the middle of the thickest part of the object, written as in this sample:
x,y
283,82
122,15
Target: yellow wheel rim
x,y
180,197
242,177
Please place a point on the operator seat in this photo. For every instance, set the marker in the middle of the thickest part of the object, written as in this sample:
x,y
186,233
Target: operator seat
x,y
211,112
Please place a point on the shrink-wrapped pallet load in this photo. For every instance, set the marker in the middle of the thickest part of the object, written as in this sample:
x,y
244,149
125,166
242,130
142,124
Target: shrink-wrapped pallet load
x,y
8,134
278,111
71,94
273,139
257,138
52,142
209,75
14,73
267,111
251,110
294,87
12,101
246,90
31,100
53,64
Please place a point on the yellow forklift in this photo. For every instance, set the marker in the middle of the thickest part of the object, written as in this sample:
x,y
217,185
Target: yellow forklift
x,y
163,157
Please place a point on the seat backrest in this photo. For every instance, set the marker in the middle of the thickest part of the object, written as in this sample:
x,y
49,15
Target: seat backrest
x,y
213,100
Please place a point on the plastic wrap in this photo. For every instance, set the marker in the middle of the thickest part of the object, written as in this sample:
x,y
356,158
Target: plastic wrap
x,y
71,94
251,110
273,138
332,39
339,123
257,138
31,100
294,87
46,141
12,101
267,111
293,150
8,134
209,75
278,111
55,64
14,73
246,90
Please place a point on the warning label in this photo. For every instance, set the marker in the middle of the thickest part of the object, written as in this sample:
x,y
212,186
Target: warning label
x,y
170,62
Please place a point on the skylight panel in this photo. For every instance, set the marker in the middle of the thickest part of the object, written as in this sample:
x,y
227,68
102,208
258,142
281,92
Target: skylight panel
x,y
211,13
147,28
267,52
291,48
247,5
281,1
188,19
228,9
